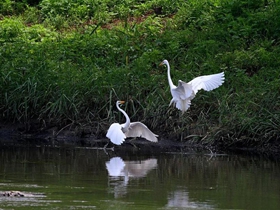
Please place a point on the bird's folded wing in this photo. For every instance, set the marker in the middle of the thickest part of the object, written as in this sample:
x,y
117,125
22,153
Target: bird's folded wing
x,y
138,129
115,134
208,82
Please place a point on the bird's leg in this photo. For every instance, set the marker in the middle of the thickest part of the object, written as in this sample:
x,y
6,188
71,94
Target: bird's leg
x,y
104,149
133,145
182,127
106,145
182,133
130,142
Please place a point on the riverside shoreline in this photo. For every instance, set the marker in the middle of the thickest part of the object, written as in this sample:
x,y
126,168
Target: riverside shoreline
x,y
13,135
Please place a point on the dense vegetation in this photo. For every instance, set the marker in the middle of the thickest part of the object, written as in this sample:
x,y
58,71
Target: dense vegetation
x,y
67,62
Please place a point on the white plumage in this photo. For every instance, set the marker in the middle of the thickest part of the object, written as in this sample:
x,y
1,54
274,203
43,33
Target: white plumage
x,y
185,92
117,167
117,133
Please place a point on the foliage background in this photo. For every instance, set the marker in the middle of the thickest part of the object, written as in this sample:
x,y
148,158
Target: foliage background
x,y
67,62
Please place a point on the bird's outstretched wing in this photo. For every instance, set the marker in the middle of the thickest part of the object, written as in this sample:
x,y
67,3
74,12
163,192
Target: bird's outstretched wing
x,y
115,134
140,168
138,129
208,82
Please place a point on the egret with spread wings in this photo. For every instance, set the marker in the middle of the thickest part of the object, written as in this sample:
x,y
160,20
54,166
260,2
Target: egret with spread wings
x,y
185,92
117,133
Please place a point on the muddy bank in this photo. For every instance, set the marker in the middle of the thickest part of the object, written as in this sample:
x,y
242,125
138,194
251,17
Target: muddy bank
x,y
16,134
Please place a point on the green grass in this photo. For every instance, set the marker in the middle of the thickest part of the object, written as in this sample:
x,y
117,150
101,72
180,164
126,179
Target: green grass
x,y
67,62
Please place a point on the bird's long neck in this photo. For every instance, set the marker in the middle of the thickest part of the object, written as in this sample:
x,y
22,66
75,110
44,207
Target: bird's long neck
x,y
127,123
169,77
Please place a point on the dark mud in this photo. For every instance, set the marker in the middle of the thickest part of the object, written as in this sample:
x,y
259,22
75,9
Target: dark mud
x,y
16,135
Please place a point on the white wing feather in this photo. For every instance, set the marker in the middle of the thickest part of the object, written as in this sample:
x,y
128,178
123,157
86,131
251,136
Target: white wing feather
x,y
138,129
208,82
115,166
182,105
185,92
115,134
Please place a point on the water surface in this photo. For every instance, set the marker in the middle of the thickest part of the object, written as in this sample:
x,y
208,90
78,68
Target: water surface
x,y
86,178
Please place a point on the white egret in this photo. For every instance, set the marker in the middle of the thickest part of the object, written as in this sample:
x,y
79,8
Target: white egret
x,y
117,133
118,168
185,92
120,172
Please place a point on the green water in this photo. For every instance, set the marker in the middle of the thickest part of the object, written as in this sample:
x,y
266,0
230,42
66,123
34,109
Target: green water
x,y
85,178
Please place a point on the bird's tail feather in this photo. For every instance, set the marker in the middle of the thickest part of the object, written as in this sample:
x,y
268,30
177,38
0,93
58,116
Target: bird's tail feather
x,y
183,105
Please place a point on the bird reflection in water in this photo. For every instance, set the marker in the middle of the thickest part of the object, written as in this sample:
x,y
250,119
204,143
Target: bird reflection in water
x,y
121,171
180,199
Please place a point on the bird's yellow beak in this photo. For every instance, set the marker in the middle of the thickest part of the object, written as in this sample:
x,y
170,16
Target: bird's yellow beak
x,y
161,64
122,102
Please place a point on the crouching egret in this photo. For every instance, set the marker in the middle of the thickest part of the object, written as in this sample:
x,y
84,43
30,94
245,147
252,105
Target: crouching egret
x,y
117,133
185,92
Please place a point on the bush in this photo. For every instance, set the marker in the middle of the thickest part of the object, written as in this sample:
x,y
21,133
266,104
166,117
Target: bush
x,y
69,61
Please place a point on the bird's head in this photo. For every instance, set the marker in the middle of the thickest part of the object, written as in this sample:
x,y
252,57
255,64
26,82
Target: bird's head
x,y
120,102
164,62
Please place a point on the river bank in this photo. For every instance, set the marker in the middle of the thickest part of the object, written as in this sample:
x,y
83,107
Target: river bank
x,y
14,135
66,65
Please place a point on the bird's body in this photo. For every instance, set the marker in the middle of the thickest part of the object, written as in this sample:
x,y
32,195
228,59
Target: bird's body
x,y
117,133
185,92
